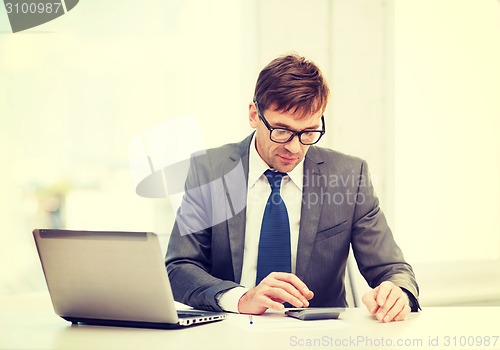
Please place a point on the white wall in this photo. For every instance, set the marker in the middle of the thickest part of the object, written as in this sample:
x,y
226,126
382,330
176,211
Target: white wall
x,y
414,92
447,151
76,91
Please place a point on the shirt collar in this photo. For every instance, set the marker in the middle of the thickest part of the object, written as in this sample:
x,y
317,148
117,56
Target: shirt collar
x,y
257,167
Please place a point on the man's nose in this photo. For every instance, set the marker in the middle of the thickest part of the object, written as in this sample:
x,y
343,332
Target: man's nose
x,y
293,146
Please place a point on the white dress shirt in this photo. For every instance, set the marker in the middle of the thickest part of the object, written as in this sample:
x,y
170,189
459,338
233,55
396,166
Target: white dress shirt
x,y
258,193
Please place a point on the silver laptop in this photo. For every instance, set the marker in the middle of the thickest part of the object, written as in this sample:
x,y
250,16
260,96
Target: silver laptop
x,y
111,278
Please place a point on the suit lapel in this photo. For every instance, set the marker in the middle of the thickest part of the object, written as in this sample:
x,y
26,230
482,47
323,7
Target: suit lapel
x,y
235,183
311,209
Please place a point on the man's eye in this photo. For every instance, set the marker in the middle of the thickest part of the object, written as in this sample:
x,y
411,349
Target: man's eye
x,y
281,132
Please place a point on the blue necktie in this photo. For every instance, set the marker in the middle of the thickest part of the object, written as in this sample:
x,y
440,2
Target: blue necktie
x,y
274,244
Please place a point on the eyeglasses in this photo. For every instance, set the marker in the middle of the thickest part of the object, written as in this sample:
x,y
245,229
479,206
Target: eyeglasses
x,y
283,135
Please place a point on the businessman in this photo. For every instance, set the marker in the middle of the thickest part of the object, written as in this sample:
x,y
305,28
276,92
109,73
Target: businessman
x,y
268,221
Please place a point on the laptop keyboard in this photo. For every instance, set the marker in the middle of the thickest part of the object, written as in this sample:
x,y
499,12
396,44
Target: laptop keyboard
x,y
189,314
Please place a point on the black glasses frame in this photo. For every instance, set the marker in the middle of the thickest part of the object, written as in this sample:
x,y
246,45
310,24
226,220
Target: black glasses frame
x,y
294,133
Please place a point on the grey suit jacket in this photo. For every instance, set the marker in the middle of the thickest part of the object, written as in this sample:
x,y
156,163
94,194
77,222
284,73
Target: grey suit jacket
x,y
339,209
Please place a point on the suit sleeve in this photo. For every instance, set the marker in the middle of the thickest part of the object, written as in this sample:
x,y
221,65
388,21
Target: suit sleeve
x,y
378,256
189,255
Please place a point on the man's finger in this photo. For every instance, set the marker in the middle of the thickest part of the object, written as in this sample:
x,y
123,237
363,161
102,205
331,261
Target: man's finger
x,y
271,304
282,295
291,290
395,293
402,315
394,310
383,292
370,302
294,281
285,287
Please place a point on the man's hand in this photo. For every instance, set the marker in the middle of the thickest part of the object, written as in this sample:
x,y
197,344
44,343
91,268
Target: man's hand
x,y
274,290
387,302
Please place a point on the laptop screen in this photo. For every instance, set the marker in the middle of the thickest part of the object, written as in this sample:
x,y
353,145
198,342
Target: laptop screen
x,y
106,275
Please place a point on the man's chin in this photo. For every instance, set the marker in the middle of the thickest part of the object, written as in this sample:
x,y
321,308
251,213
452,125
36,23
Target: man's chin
x,y
286,167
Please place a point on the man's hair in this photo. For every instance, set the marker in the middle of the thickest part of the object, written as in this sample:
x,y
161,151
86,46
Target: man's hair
x,y
293,84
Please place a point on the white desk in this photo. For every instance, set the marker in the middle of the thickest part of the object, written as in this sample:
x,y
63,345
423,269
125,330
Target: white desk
x,y
28,322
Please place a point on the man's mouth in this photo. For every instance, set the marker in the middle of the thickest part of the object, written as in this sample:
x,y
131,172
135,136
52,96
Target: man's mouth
x,y
287,158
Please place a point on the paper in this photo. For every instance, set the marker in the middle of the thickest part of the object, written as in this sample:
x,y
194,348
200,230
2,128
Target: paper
x,y
272,322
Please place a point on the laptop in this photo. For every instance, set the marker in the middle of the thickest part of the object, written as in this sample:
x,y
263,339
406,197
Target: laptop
x,y
111,279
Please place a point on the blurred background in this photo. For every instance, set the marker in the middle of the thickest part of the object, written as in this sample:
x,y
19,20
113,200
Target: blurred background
x,y
415,91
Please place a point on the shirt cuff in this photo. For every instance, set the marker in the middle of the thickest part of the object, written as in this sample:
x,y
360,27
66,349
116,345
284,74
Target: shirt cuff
x,y
414,304
228,300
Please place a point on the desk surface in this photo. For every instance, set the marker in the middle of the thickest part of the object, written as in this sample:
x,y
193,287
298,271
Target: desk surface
x,y
28,322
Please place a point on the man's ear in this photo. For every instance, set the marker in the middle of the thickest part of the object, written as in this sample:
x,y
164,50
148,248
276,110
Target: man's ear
x,y
253,115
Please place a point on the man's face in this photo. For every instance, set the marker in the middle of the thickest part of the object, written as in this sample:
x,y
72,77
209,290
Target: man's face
x,y
283,157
